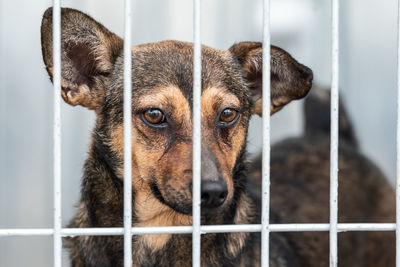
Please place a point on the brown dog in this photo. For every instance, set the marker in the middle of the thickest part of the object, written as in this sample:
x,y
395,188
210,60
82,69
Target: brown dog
x,y
92,76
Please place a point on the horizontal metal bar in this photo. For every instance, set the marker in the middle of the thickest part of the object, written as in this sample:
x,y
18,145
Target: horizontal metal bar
x,y
299,227
135,230
233,228
92,231
26,232
347,227
205,229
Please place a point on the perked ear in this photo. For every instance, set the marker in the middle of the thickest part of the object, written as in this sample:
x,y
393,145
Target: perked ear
x,y
289,79
88,54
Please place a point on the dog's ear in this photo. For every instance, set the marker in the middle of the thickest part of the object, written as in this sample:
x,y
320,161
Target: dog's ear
x,y
289,79
88,54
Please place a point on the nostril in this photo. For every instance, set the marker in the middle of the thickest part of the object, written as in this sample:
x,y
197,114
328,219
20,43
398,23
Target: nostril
x,y
223,195
213,193
204,198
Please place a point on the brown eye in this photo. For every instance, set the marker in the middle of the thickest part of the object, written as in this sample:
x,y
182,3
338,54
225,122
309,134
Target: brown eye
x,y
228,116
154,117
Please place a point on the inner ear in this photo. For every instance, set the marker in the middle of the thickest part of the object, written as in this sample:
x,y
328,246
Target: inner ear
x,y
83,62
253,76
290,80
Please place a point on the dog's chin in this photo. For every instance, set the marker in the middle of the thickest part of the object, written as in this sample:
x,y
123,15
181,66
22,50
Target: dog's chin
x,y
207,212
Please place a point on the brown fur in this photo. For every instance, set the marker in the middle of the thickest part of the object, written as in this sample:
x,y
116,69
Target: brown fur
x,y
92,76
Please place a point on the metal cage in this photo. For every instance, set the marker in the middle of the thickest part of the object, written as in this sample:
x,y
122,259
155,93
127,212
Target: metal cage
x,y
197,229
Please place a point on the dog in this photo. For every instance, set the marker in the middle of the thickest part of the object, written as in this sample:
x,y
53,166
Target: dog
x,y
92,66
300,175
92,76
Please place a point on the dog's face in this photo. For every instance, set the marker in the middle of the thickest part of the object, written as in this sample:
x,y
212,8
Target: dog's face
x,y
162,82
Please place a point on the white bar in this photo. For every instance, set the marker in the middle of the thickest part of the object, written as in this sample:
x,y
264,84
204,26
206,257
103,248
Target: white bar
x,y
266,100
205,229
127,136
26,232
57,238
93,231
398,144
196,236
334,136
346,227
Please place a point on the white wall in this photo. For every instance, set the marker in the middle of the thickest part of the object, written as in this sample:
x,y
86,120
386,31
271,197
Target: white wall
x,y
368,76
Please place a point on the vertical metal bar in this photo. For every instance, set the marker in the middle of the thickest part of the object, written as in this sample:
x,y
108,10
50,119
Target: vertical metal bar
x,y
196,236
127,136
398,143
57,239
266,100
334,135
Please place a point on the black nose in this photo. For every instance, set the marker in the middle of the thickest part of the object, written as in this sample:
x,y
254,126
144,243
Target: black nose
x,y
213,193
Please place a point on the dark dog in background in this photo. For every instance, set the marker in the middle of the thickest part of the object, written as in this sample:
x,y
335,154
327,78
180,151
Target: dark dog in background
x,y
300,175
92,76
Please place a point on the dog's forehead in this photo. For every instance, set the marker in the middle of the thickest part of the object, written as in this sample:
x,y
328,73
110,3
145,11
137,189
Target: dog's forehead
x,y
170,63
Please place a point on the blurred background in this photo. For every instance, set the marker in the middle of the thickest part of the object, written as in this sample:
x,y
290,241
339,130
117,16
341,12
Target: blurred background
x,y
368,35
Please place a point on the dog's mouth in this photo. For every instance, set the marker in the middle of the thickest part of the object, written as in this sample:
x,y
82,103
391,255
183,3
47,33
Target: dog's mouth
x,y
178,207
183,205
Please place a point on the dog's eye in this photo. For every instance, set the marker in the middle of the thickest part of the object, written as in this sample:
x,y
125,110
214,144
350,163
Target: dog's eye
x,y
228,117
154,117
